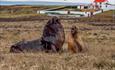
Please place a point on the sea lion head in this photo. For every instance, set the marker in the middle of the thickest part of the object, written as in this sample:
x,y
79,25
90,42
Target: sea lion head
x,y
74,30
54,20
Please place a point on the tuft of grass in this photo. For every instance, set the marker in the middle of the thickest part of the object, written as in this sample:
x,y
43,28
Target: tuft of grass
x,y
101,64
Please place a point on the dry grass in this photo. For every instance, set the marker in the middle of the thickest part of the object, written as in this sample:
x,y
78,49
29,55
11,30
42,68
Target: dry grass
x,y
22,9
17,15
100,42
107,16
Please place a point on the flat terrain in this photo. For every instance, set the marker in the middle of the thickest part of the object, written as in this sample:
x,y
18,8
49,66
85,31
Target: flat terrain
x,y
108,16
100,42
98,36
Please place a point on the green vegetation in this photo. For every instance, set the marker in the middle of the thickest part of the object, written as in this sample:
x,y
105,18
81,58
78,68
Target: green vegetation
x,y
52,13
74,8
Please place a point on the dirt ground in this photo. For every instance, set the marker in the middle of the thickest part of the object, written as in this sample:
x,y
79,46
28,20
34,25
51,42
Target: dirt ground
x,y
98,36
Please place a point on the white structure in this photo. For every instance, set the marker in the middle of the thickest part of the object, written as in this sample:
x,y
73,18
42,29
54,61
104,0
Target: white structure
x,y
71,13
86,4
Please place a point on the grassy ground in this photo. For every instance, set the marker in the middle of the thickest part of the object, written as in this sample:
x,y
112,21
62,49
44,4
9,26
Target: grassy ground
x,y
108,16
17,15
100,42
98,36
21,11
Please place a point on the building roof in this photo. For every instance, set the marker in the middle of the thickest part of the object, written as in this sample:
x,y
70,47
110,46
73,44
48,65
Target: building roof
x,y
100,0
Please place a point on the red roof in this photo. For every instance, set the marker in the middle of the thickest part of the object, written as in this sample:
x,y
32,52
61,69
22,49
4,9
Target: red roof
x,y
100,0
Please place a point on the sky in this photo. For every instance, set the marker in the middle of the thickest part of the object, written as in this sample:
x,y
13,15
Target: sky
x,y
85,1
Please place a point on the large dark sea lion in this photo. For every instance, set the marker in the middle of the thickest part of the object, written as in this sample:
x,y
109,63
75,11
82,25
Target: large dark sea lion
x,y
52,39
27,46
53,35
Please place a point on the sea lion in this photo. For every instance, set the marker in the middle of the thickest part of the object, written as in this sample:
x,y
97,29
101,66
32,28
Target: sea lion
x,y
74,40
53,35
